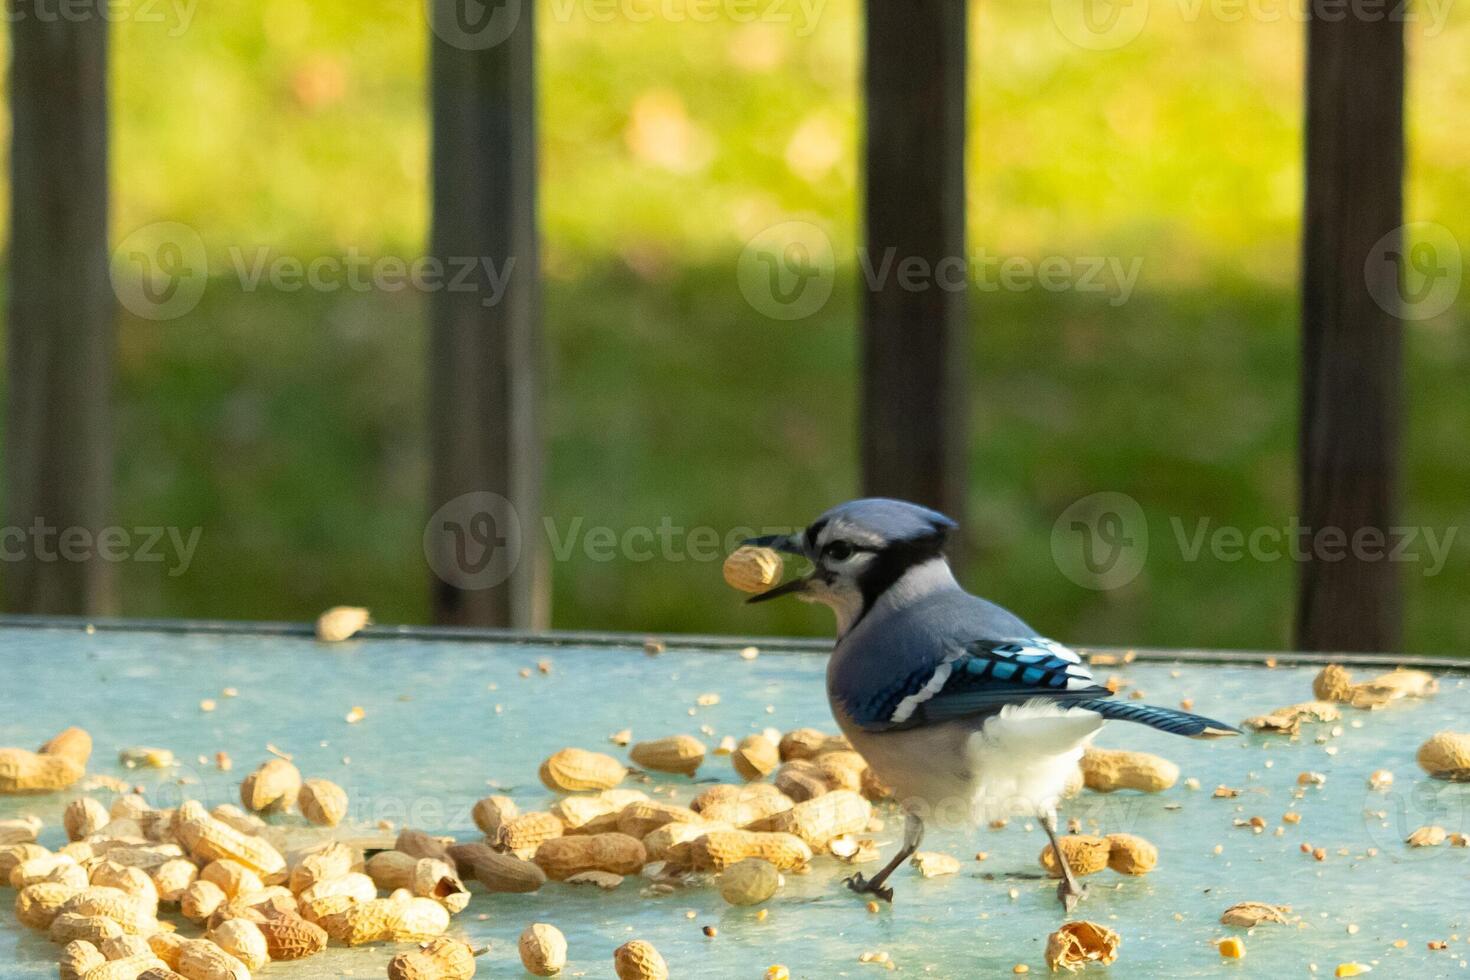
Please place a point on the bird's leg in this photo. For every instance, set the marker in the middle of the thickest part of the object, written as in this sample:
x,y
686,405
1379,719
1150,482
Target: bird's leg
x,y
1070,890
913,836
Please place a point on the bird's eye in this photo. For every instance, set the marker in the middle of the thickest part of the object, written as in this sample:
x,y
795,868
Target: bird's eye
x,y
839,551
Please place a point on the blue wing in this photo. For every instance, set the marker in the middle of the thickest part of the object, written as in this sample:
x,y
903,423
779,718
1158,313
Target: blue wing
x,y
981,678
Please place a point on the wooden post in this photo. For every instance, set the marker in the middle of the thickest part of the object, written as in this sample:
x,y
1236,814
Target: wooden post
x,y
1351,334
913,348
61,329
487,548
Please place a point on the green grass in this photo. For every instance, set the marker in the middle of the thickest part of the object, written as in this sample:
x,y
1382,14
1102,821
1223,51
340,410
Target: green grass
x,y
290,426
302,456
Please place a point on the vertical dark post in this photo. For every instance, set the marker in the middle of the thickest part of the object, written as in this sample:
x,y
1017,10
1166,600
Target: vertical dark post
x,y
914,350
486,550
58,447
1351,334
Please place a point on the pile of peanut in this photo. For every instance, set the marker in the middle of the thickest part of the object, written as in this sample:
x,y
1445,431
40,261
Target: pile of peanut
x,y
250,890
247,898
223,871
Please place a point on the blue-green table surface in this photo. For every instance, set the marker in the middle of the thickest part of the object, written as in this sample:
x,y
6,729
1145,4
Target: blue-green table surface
x,y
447,723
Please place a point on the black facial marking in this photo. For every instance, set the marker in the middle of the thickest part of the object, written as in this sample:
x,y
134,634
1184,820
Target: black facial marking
x,y
890,563
814,532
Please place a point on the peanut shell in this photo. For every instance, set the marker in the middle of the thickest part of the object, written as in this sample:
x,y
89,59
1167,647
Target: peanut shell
x,y
83,817
563,857
74,745
1085,854
752,569
1248,915
678,754
436,879
95,929
801,780
126,968
498,872
244,941
23,772
1446,755
575,770
638,960
322,802
416,843
493,811
232,877
438,959
819,820
341,623
543,949
755,757
209,839
77,958
1106,770
332,861
643,818
527,832
719,849
808,743
1077,944
1130,854
272,788
200,899
749,882
290,937
37,906
201,959
389,870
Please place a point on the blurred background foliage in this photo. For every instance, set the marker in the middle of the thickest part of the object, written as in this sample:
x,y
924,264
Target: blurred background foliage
x,y
289,425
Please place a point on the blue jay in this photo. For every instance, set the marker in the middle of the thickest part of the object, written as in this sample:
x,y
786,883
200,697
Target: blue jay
x,y
955,703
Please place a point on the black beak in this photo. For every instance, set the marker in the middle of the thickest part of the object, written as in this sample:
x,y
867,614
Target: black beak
x,y
791,544
785,588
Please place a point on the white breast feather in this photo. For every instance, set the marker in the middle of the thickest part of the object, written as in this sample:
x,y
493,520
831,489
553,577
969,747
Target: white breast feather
x,y
1024,757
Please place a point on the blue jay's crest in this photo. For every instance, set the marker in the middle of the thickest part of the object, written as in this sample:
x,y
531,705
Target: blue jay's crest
x,y
880,523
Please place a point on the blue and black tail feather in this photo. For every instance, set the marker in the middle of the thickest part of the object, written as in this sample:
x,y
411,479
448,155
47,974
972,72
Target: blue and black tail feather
x,y
1164,719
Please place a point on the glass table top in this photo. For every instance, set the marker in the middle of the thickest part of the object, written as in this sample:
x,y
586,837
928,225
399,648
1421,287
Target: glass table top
x,y
446,723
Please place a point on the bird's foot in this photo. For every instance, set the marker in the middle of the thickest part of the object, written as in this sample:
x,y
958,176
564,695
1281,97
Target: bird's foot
x,y
863,886
1070,893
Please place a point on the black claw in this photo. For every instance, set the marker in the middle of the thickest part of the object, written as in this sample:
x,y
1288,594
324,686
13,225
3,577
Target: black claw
x,y
863,886
1070,896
